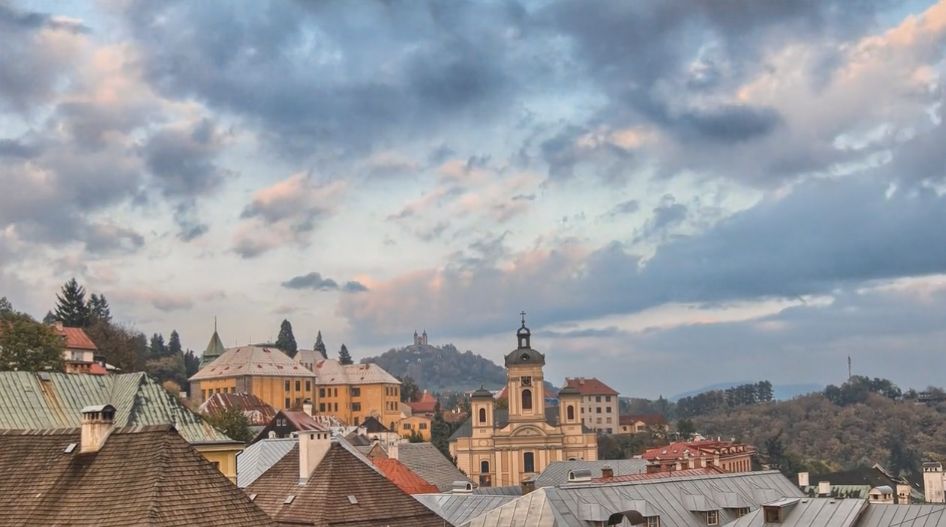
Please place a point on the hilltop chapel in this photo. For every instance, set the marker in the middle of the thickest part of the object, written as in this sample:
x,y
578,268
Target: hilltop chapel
x,y
498,447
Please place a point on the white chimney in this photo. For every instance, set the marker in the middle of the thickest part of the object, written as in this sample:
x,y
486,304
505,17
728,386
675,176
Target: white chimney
x,y
97,423
313,445
802,479
392,451
824,488
307,407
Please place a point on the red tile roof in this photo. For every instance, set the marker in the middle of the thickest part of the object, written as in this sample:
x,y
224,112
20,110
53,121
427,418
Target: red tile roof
x,y
590,386
97,369
255,409
304,421
708,471
75,338
695,448
406,479
425,405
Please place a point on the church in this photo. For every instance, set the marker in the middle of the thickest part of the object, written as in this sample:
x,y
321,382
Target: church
x,y
498,447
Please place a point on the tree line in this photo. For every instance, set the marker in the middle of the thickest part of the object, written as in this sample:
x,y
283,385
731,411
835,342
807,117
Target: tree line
x,y
286,342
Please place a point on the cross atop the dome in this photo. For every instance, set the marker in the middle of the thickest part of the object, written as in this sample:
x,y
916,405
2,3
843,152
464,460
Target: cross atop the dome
x,y
523,318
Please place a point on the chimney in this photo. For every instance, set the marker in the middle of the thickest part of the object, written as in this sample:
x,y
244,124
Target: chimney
x,y
307,407
607,472
903,493
824,488
313,445
97,422
802,479
527,485
461,487
392,451
58,325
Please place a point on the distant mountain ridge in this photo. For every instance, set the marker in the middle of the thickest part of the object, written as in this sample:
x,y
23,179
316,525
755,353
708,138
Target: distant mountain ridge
x,y
781,392
441,368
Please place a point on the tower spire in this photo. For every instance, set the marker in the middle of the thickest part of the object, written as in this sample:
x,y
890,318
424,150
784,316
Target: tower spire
x,y
523,314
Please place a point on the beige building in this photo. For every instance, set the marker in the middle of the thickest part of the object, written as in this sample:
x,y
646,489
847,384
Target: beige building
x,y
353,392
934,481
599,404
497,447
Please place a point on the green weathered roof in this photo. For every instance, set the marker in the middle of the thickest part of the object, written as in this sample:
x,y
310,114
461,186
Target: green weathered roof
x,y
34,401
214,349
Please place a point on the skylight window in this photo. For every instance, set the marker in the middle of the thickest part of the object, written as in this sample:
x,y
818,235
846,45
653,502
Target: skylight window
x,y
353,500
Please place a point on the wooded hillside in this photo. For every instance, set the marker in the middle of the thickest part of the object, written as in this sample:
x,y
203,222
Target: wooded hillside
x,y
441,368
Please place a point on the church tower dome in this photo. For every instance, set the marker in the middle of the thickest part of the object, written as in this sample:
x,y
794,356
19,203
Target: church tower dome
x,y
524,354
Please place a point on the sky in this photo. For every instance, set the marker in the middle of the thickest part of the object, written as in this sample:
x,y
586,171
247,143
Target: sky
x,y
677,192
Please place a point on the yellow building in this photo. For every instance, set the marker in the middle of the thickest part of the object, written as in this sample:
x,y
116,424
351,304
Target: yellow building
x,y
353,392
419,424
498,448
279,380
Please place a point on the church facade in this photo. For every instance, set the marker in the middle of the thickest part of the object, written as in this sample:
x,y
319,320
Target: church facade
x,y
498,447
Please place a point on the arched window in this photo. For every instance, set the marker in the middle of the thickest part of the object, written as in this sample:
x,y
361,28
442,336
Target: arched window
x,y
482,415
526,399
570,413
528,462
484,467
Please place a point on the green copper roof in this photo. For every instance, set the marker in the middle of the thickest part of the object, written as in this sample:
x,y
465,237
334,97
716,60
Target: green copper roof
x,y
214,349
53,400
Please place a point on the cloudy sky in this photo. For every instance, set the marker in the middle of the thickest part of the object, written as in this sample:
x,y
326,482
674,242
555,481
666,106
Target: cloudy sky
x,y
677,192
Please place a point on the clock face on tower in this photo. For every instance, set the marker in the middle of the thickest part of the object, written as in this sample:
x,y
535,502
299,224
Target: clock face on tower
x,y
526,381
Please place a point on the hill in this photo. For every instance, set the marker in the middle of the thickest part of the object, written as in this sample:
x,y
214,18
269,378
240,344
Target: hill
x,y
441,368
821,433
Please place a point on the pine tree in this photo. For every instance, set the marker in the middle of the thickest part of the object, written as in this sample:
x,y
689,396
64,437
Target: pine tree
x,y
286,341
6,307
343,356
50,318
191,363
99,310
174,344
440,432
157,347
71,309
320,346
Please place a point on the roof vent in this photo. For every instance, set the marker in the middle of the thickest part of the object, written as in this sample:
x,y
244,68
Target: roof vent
x,y
352,499
288,499
70,447
462,487
252,497
579,475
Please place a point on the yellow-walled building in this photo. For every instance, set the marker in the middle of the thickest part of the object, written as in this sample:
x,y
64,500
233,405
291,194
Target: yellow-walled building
x,y
353,392
416,423
279,380
498,448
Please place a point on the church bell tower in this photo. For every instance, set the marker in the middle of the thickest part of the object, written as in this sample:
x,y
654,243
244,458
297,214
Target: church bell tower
x,y
525,381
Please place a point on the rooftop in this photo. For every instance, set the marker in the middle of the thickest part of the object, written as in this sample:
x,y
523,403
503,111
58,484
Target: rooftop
x,y
141,476
54,400
589,386
75,338
252,360
256,411
556,473
425,460
405,479
330,371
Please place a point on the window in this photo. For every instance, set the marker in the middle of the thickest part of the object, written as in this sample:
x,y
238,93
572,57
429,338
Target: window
x,y
527,400
336,392
607,409
570,413
741,511
712,517
336,407
308,386
773,515
653,521
204,394
598,420
406,426
216,464
607,398
609,431
356,420
597,398
355,407
484,467
321,392
422,426
321,407
528,462
298,386
597,409
607,420
482,415
355,391
287,403
287,386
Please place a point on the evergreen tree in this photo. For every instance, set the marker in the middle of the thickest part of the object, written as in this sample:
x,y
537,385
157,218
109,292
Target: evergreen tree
x,y
6,307
50,318
343,356
26,345
71,308
320,346
174,344
440,432
286,341
233,423
191,363
685,428
157,347
99,308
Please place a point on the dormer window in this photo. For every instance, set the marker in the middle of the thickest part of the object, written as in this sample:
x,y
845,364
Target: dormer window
x,y
712,517
652,521
773,515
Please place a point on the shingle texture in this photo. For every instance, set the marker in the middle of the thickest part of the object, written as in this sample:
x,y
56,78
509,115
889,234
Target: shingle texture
x,y
75,338
55,400
142,476
425,460
590,386
324,499
252,360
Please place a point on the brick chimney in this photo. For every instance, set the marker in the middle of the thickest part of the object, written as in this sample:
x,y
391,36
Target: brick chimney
x,y
527,485
607,472
97,423
313,445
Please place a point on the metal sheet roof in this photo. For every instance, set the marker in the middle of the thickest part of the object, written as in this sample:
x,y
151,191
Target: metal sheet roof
x,y
258,457
557,471
34,401
811,512
252,360
458,508
878,515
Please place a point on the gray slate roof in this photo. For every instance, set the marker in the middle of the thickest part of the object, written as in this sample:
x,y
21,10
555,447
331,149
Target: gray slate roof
x,y
258,457
35,401
904,516
811,512
557,472
579,504
427,462
458,508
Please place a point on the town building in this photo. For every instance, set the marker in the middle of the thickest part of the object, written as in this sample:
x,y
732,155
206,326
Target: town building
x,y
425,405
858,483
267,373
79,351
499,447
289,423
415,425
214,349
934,482
258,414
727,456
600,405
46,400
353,392
635,424
102,475
405,479
420,340
322,481
559,472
